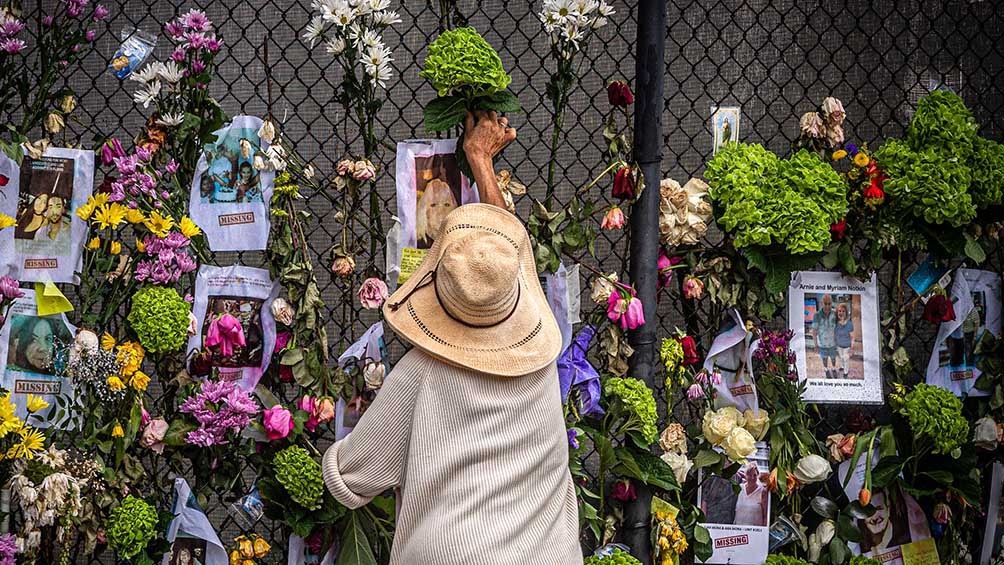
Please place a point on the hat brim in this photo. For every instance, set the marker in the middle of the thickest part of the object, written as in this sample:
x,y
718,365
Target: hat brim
x,y
527,341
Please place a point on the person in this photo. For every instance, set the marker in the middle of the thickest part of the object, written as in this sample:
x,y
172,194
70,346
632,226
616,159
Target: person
x,y
469,426
435,204
32,345
888,526
56,228
726,130
751,504
248,189
844,337
28,223
824,325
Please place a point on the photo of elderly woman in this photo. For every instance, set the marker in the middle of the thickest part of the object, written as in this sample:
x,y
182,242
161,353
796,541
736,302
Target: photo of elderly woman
x,y
438,185
34,344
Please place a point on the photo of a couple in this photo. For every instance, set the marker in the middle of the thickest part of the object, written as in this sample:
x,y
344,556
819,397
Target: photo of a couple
x,y
44,207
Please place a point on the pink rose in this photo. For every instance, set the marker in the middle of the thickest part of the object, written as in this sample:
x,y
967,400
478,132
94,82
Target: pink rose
x,y
153,435
835,136
282,340
345,167
613,220
833,109
372,293
363,170
811,125
309,405
278,422
693,288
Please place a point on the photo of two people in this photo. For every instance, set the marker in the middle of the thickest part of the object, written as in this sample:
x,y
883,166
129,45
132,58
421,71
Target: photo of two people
x,y
833,336
44,207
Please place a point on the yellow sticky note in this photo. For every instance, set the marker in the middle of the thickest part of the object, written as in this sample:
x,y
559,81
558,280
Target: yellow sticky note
x,y
50,300
411,258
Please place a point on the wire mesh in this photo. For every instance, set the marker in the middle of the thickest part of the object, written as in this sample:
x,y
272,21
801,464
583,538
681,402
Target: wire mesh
x,y
775,59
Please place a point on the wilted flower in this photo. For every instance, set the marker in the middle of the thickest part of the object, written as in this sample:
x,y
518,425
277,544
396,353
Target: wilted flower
x,y
841,446
624,184
54,123
373,375
838,229
939,308
343,266
619,94
811,125
693,288
985,433
613,220
372,293
67,103
942,513
363,170
267,131
833,110
602,287
345,167
153,435
673,439
684,212
694,392
283,311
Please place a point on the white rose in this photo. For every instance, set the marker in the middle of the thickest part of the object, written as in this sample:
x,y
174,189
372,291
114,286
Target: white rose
x,y
734,413
985,433
680,465
812,469
373,375
602,288
825,531
815,548
757,425
739,445
716,427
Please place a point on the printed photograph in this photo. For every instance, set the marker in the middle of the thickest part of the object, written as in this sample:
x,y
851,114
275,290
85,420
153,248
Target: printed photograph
x,y
750,506
44,207
724,126
438,190
248,312
958,353
833,346
188,551
231,177
890,526
34,344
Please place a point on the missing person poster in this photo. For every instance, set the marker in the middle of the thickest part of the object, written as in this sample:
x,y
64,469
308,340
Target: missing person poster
x,y
836,337
976,296
193,539
731,355
429,186
738,521
33,353
993,533
41,195
897,533
246,293
230,198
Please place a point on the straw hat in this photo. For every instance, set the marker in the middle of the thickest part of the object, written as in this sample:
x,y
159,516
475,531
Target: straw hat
x,y
475,301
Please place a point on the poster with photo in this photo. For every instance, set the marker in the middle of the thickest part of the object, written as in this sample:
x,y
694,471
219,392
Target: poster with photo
x,y
724,126
245,293
429,186
370,348
835,324
993,533
230,198
976,296
193,539
46,243
731,355
738,520
33,351
898,532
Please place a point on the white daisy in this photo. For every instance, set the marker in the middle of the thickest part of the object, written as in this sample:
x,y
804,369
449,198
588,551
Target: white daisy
x,y
386,18
171,72
377,5
381,74
606,10
342,16
315,31
367,39
584,7
148,94
148,73
171,120
335,46
375,57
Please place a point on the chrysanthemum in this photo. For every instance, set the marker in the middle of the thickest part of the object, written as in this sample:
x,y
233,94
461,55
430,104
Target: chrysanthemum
x,y
314,31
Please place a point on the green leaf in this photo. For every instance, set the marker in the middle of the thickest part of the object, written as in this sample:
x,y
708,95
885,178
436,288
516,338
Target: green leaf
x,y
500,101
838,551
974,250
356,548
848,529
702,543
707,458
608,457
887,470
444,113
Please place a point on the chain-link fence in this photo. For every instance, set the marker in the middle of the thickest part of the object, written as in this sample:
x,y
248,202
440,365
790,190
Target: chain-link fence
x,y
774,59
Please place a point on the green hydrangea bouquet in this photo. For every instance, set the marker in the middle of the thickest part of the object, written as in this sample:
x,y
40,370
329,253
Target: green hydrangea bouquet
x,y
159,316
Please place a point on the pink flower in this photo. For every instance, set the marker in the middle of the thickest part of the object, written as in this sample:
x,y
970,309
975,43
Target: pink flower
x,y
309,405
282,340
811,125
12,46
634,316
196,20
665,266
110,151
345,167
47,21
626,310
623,491
363,170
693,288
372,293
144,418
942,513
613,220
694,392
153,435
100,13
91,35
226,332
278,422
10,288
833,109
325,409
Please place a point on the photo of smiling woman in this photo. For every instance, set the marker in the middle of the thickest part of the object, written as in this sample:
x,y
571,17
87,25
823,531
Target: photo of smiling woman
x,y
33,344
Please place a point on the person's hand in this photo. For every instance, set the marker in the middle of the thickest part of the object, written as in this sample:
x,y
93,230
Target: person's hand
x,y
485,134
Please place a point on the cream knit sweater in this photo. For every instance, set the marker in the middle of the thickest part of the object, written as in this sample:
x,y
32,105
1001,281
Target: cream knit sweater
x,y
481,463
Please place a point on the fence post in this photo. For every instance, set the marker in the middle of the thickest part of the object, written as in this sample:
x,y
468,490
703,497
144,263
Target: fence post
x,y
650,68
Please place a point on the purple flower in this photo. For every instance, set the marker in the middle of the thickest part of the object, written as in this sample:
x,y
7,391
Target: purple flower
x,y
10,288
573,438
694,392
8,548
852,149
143,154
194,40
213,44
198,66
10,27
100,13
172,166
91,35
47,21
12,46
178,55
196,20
174,29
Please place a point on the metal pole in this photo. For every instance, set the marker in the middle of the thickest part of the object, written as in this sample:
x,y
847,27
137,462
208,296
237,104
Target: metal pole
x,y
650,68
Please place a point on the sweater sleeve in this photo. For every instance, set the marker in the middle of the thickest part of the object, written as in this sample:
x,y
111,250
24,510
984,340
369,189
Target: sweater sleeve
x,y
371,458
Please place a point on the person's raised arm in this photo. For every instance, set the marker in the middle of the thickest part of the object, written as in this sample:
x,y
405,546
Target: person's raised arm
x,y
485,135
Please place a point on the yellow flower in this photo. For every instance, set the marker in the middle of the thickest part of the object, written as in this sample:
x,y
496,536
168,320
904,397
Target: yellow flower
x,y
85,211
31,441
9,422
158,224
248,562
130,356
117,431
839,154
107,341
94,243
115,383
109,216
246,547
261,547
861,159
6,221
188,227
36,403
140,247
139,381
235,557
116,248
135,216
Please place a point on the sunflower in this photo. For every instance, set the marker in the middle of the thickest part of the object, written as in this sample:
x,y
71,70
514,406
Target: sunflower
x,y
158,224
188,227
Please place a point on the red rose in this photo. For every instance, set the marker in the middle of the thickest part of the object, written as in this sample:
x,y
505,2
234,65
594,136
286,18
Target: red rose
x,y
838,229
619,94
624,185
624,491
689,350
939,308
201,364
